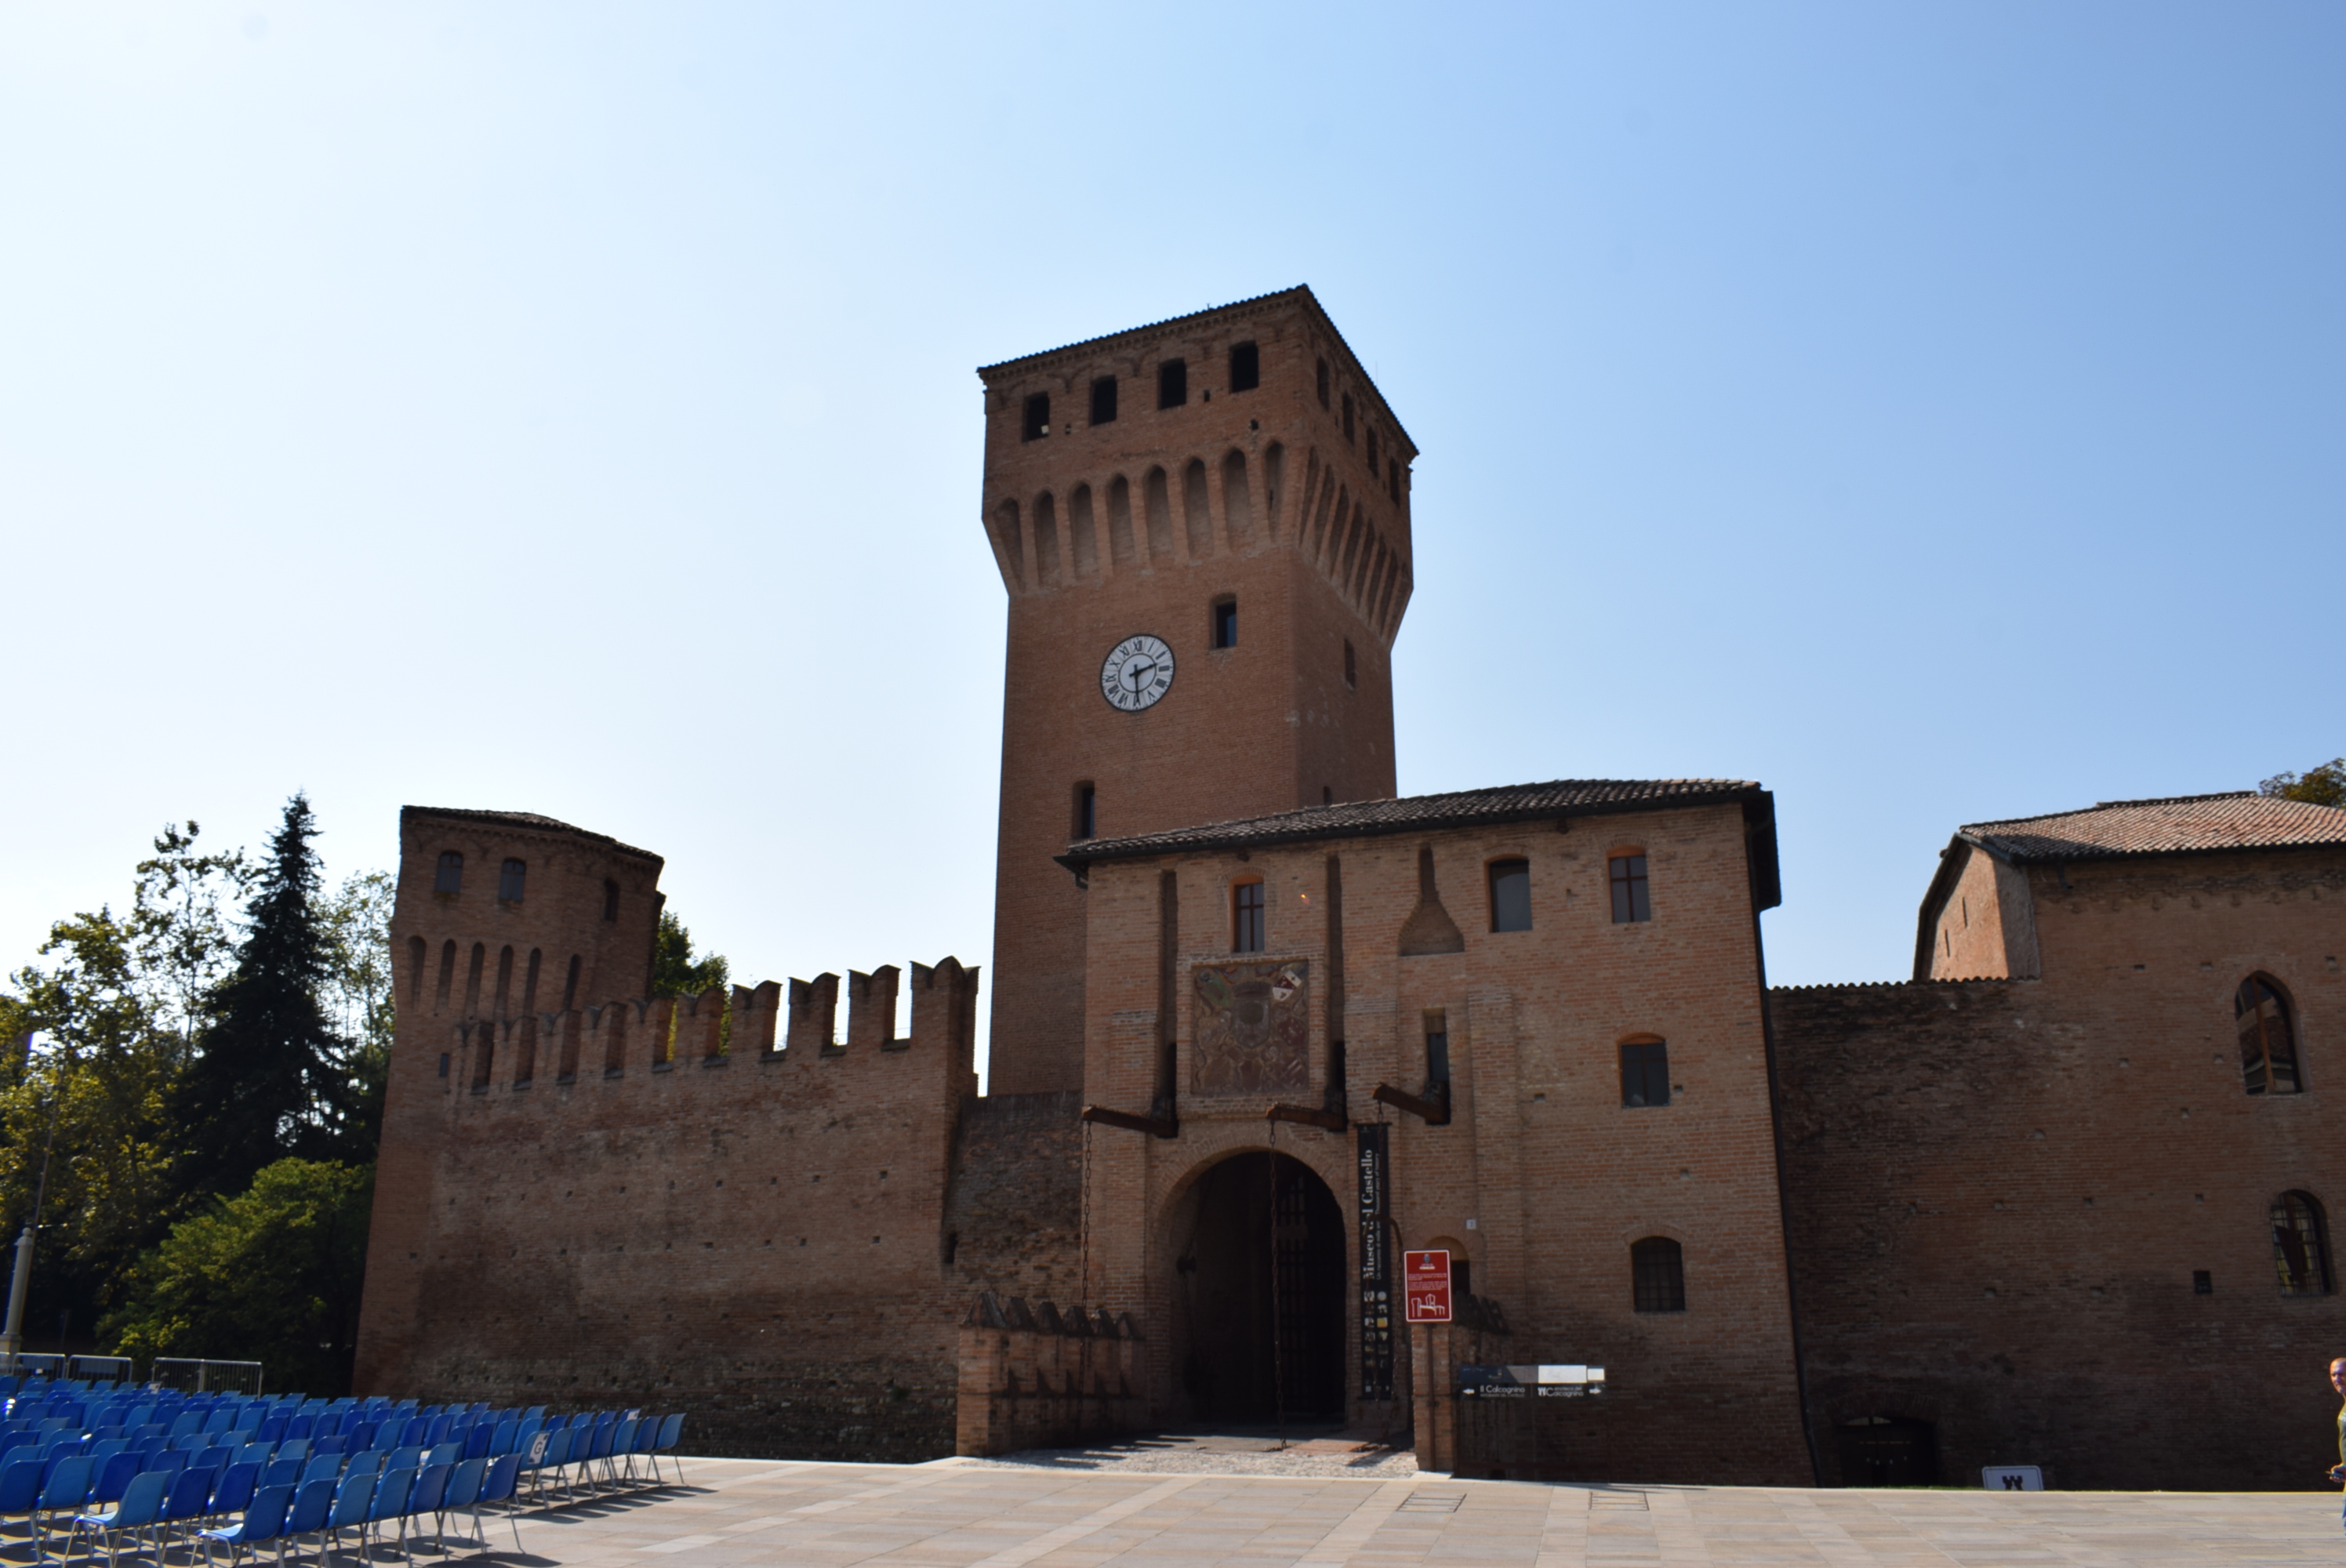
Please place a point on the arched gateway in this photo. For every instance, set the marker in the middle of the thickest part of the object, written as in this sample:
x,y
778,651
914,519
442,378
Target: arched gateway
x,y
1257,1249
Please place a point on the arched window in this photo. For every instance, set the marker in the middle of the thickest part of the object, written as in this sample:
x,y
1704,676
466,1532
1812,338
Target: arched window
x,y
1510,895
1246,916
451,878
610,899
2268,1039
1657,1275
509,880
1645,1071
2300,1245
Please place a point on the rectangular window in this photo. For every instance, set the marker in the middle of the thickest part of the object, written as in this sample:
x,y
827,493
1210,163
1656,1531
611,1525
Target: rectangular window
x,y
1351,666
1246,367
1645,1073
1437,1055
1172,383
1629,901
1510,895
509,881
444,1064
1037,422
1086,811
1226,623
1657,1275
1319,377
1246,917
1104,401
450,876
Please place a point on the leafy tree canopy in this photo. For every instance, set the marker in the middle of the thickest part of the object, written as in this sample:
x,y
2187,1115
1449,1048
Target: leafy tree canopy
x,y
2321,786
675,971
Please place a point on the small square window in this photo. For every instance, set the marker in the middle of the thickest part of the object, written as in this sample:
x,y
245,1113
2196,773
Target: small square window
x,y
1172,383
1246,367
1226,623
2203,1282
1510,895
1630,903
1037,422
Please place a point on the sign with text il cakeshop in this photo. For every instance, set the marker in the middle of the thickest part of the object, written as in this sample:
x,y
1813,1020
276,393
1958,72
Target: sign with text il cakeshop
x,y
1426,1285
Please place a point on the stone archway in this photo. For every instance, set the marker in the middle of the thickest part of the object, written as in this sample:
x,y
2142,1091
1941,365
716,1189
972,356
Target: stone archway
x,y
1258,1293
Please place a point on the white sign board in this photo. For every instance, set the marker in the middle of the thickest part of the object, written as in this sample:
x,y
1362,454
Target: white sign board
x,y
2011,1478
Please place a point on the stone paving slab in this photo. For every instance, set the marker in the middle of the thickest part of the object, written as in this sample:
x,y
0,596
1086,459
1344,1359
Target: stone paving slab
x,y
959,1513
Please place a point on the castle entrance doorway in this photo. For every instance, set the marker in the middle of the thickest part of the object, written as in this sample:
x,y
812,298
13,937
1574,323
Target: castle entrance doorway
x,y
1261,1287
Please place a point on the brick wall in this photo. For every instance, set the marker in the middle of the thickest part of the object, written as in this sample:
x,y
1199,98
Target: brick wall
x,y
2000,1191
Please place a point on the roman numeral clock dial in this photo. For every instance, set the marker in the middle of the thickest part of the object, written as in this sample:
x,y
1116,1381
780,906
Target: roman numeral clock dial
x,y
1137,672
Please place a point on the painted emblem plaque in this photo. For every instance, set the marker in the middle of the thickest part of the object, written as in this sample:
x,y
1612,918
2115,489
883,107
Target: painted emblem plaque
x,y
1253,1028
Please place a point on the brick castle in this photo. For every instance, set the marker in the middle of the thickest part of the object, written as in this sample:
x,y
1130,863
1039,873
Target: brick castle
x,y
1258,1027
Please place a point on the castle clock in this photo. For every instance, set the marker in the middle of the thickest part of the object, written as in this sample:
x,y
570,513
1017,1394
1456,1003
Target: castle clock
x,y
1137,672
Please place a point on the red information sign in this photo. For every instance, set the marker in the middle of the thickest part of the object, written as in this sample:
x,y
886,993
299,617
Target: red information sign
x,y
1426,1285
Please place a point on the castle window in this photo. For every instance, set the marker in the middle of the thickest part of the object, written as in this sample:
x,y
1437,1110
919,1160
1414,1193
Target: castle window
x,y
2300,1245
451,876
1630,903
1319,379
1246,367
509,881
1510,895
2267,1040
1372,455
1645,1071
1658,1275
1392,481
1437,1055
1226,623
1246,916
1348,416
570,984
444,1064
1104,400
1086,811
610,899
1037,422
415,952
447,970
1172,383
1351,666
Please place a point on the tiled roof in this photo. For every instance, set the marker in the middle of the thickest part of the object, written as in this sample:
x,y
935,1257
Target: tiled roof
x,y
1416,813
527,819
2182,824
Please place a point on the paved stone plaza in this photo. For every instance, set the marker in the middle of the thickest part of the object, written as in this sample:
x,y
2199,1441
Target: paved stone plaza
x,y
960,1514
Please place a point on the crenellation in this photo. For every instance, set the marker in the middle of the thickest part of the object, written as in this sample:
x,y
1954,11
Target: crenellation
x,y
813,1022
755,1013
872,1009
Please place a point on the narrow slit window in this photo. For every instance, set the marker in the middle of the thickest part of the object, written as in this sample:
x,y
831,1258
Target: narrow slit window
x,y
1037,425
1658,1275
610,899
1086,811
1246,367
2300,1245
1630,901
1351,666
2268,1038
1320,381
1374,469
1247,917
1172,383
1510,895
1104,400
1644,1072
510,877
1226,623
451,876
1437,1055
416,955
1348,416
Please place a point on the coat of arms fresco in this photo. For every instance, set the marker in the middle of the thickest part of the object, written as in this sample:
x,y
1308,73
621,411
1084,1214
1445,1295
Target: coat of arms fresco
x,y
1253,1024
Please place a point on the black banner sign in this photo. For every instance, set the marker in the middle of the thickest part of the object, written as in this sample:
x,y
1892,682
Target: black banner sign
x,y
1376,1265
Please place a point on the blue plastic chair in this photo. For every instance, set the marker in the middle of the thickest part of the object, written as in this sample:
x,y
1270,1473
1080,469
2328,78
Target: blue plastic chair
x,y
64,1492
390,1503
497,1486
464,1491
140,1506
264,1519
114,1477
623,1446
187,1498
431,1488
235,1488
325,1467
404,1458
313,1500
20,1487
671,1432
350,1509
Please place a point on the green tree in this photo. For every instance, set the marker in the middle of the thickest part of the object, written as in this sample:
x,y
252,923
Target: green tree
x,y
357,923
271,1275
675,971
2321,786
266,1081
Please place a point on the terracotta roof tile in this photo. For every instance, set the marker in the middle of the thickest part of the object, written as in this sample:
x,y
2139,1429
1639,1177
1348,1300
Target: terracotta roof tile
x,y
2182,824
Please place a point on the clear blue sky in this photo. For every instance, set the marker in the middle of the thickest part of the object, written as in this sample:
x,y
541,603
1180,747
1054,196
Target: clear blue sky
x,y
1933,411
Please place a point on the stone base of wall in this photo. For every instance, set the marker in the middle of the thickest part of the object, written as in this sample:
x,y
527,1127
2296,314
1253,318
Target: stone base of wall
x,y
1036,1378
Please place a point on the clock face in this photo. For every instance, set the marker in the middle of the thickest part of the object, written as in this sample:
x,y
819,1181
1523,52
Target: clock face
x,y
1137,672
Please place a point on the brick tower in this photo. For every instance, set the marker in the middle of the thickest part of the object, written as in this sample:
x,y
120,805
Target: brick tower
x,y
1203,526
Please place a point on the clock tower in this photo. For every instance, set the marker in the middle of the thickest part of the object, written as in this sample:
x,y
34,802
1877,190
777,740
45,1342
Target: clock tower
x,y
1203,526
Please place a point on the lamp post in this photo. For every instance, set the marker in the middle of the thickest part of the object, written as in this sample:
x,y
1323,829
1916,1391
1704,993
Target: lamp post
x,y
20,1282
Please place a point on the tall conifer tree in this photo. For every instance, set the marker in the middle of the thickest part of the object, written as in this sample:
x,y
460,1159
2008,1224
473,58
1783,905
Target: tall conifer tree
x,y
266,1081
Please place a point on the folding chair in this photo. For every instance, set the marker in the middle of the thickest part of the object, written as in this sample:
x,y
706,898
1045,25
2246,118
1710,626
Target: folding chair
x,y
141,1503
264,1519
